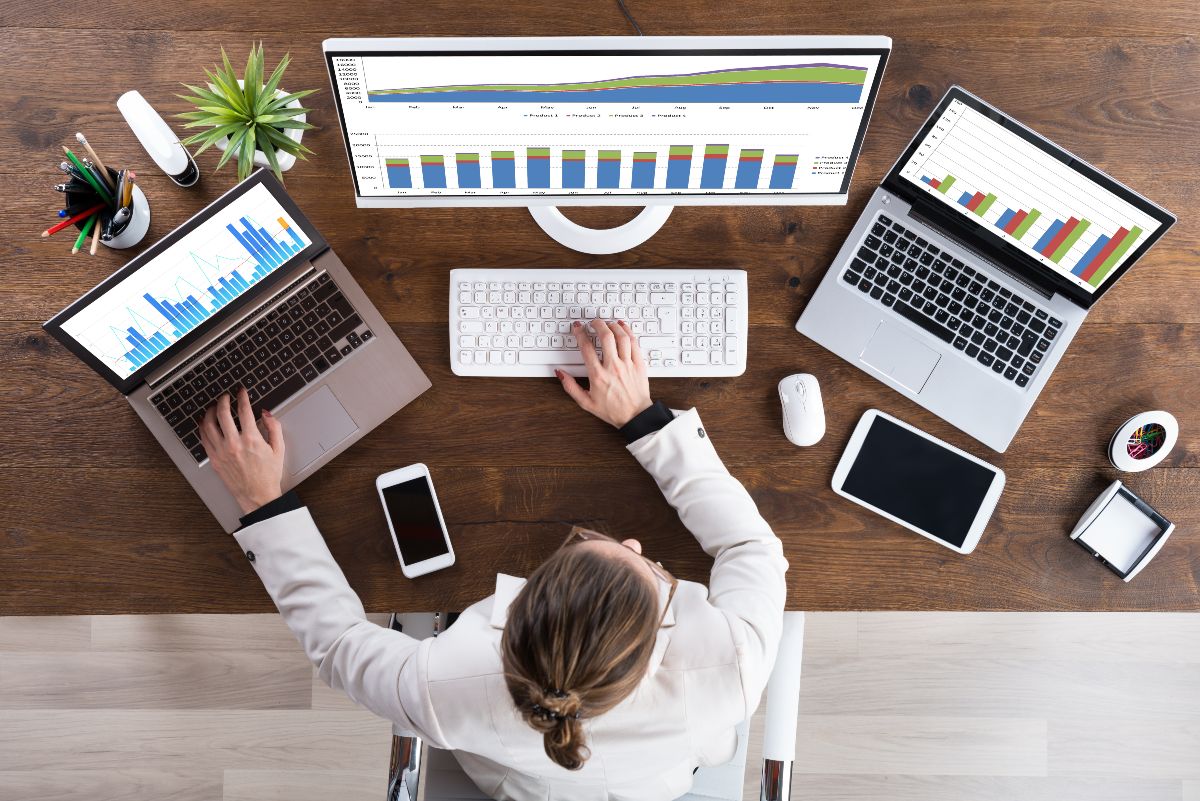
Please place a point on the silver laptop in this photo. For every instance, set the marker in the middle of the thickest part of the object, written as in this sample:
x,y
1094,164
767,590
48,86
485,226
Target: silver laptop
x,y
974,264
248,293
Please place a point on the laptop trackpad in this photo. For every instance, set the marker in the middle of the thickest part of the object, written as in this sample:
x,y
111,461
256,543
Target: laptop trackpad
x,y
900,356
313,426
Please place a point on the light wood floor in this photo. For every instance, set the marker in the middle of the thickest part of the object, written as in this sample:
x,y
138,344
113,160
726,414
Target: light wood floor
x,y
902,707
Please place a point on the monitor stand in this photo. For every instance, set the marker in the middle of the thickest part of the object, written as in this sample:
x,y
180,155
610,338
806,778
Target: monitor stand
x,y
600,240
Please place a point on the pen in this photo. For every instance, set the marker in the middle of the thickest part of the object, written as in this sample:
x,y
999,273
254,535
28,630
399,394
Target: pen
x,y
79,137
100,190
76,186
66,167
72,210
99,176
87,227
120,192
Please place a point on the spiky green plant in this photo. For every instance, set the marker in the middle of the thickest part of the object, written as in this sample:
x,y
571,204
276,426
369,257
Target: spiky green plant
x,y
250,115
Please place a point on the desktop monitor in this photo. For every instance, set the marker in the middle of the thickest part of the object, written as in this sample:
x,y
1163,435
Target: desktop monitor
x,y
634,121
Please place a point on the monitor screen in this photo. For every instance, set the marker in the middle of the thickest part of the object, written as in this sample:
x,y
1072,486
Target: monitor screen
x,y
633,123
1031,199
142,316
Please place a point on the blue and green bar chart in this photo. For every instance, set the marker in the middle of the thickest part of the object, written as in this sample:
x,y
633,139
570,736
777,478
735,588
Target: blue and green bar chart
x,y
1054,241
197,299
571,168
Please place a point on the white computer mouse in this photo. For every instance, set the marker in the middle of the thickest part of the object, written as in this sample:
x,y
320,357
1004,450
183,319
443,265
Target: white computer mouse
x,y
803,412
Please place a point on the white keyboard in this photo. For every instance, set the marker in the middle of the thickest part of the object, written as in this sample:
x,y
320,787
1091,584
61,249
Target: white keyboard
x,y
518,322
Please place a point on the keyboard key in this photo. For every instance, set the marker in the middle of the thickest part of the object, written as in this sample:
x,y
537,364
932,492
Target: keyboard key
x,y
551,357
1022,380
851,277
1003,353
960,343
972,351
986,359
1010,373
998,366
940,331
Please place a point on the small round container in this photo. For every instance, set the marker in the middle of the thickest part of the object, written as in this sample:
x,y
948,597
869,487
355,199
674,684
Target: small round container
x,y
1143,441
134,229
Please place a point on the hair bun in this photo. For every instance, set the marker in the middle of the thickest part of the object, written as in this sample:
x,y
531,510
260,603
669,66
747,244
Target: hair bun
x,y
555,704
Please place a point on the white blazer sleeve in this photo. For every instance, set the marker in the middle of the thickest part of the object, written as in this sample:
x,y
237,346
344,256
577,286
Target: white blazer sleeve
x,y
381,669
747,582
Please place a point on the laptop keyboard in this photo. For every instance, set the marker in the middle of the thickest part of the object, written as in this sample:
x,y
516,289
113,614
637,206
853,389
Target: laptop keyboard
x,y
1006,333
309,328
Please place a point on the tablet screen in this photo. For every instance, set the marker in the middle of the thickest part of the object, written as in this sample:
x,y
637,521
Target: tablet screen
x,y
918,481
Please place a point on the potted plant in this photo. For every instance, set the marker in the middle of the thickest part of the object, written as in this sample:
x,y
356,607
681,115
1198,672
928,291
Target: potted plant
x,y
258,122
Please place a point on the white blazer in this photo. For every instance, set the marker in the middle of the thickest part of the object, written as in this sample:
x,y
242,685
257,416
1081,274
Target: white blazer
x,y
710,664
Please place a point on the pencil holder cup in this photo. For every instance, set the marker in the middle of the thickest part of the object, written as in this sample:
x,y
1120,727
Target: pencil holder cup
x,y
132,230
139,223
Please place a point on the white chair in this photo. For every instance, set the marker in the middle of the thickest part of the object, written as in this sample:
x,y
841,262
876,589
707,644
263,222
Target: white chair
x,y
419,772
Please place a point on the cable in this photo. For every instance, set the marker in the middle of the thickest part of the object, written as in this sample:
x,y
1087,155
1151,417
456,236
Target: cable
x,y
628,16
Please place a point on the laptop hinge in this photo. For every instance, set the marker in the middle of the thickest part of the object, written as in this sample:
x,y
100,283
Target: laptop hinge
x,y
1023,280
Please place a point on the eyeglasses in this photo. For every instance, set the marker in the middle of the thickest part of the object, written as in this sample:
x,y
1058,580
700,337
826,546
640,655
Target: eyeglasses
x,y
668,582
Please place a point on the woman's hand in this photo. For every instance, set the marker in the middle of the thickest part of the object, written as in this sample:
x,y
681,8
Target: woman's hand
x,y
250,466
618,389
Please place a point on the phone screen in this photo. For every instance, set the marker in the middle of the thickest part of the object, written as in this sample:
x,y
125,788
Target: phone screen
x,y
415,520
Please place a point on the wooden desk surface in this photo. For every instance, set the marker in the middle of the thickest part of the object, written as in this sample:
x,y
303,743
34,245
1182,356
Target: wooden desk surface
x,y
94,519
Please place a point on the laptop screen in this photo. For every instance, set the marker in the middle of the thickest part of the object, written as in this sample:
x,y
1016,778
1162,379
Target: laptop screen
x,y
1033,200
149,311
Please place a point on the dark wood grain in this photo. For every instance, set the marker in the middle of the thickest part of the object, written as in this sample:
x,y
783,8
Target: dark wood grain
x,y
94,519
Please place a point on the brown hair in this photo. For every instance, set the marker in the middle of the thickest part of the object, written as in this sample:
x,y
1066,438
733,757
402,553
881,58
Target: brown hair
x,y
577,642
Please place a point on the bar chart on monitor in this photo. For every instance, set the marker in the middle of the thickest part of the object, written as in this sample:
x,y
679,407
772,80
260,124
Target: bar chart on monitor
x,y
189,282
668,167
1027,196
614,124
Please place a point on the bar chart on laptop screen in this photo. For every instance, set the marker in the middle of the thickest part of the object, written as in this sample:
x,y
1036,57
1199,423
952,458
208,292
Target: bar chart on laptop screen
x,y
189,282
1051,212
430,125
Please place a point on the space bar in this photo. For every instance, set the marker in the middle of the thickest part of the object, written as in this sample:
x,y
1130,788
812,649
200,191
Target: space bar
x,y
550,357
937,329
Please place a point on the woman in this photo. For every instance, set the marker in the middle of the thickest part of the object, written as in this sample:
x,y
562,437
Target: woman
x,y
601,676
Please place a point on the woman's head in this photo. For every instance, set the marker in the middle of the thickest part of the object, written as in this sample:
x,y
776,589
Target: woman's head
x,y
578,640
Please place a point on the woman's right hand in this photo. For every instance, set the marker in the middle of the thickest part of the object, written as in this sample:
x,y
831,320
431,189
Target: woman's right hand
x,y
618,388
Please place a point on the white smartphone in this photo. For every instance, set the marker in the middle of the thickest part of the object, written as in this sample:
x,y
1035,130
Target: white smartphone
x,y
415,520
926,485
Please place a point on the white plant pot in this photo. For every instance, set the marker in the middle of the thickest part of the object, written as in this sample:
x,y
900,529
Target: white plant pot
x,y
286,160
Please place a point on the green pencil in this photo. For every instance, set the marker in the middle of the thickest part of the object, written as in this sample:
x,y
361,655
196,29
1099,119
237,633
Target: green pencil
x,y
87,226
87,174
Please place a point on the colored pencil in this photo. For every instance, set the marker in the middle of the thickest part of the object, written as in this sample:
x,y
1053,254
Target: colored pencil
x,y
100,190
87,229
95,238
132,176
54,229
79,137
